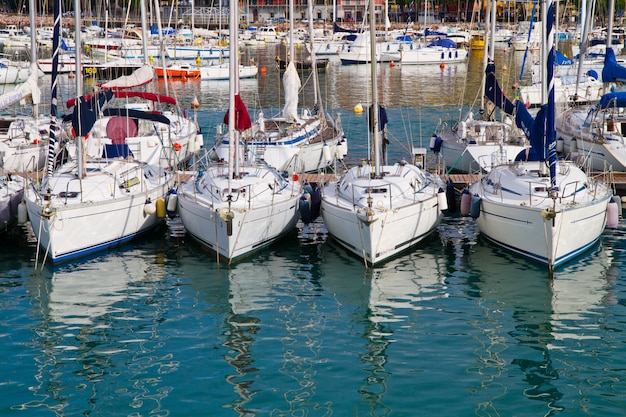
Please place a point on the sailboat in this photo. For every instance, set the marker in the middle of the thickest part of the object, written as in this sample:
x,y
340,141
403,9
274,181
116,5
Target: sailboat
x,y
140,123
11,195
305,139
378,211
594,135
234,208
88,204
475,145
23,139
542,208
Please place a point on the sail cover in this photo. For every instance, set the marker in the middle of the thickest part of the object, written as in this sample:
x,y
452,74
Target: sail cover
x,y
615,99
291,84
85,113
612,70
561,59
533,128
494,93
141,76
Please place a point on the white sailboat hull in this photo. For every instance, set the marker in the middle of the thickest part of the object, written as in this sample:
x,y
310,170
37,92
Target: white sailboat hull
x,y
11,193
432,55
76,219
295,147
393,223
597,145
516,212
462,157
260,213
477,145
222,71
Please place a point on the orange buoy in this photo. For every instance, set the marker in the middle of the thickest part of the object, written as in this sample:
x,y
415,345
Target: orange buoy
x,y
184,78
442,66
195,104
392,64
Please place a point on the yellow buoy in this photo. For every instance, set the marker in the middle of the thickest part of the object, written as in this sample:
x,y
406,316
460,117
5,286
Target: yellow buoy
x,y
160,207
358,108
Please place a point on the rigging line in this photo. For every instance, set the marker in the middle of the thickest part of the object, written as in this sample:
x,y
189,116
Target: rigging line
x,y
530,31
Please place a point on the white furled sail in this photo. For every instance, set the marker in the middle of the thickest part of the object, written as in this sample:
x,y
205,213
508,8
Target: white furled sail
x,y
291,84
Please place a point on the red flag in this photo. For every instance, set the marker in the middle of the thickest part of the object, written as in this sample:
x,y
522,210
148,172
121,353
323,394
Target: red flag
x,y
242,118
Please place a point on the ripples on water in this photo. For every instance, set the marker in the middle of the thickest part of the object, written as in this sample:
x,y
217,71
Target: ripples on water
x,y
457,327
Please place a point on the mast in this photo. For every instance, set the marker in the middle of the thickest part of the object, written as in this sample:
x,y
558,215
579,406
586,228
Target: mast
x,y
157,10
492,29
375,118
54,127
233,69
485,59
33,53
144,30
313,61
291,23
583,43
79,88
550,127
609,35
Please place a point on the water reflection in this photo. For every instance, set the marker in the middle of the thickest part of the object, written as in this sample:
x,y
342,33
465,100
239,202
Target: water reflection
x,y
278,318
406,285
399,291
510,289
580,291
87,311
550,318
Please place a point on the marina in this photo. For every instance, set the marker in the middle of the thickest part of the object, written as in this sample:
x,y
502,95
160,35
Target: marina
x,y
163,323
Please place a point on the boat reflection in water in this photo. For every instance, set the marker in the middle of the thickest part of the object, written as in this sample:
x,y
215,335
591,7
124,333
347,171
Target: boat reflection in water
x,y
86,311
554,323
280,318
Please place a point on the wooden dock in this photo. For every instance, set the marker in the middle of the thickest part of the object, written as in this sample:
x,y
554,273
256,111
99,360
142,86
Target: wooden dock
x,y
462,180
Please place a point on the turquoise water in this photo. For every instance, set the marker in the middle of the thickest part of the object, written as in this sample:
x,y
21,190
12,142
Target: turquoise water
x,y
458,327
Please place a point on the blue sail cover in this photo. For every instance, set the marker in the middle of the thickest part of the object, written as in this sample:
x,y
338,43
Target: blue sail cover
x,y
534,129
444,43
562,59
428,32
494,93
136,114
85,113
337,28
612,70
616,99
382,118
